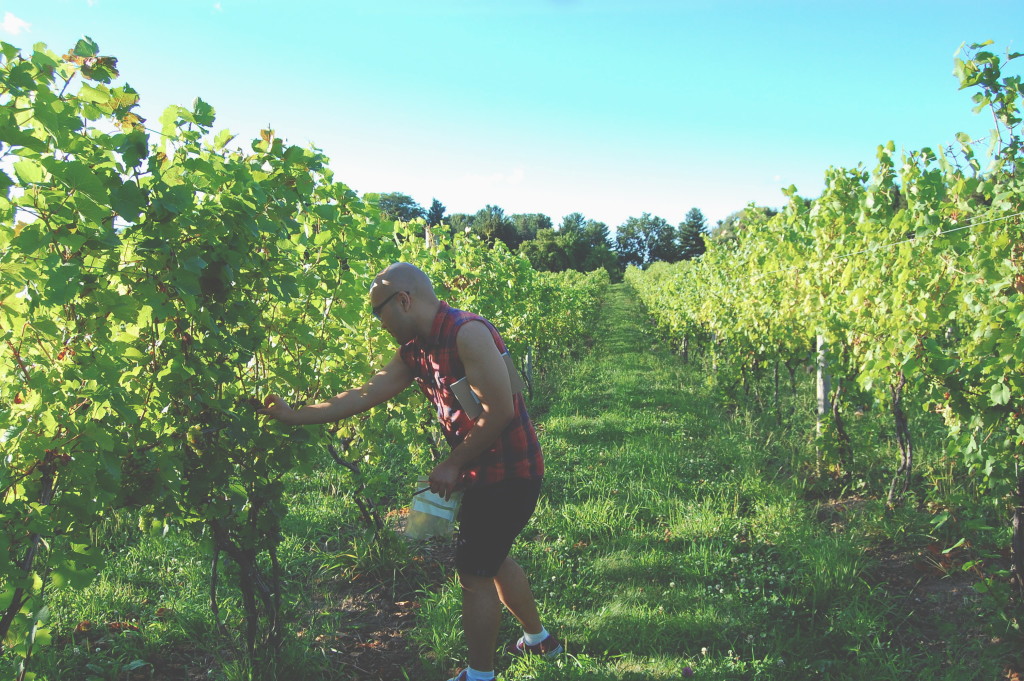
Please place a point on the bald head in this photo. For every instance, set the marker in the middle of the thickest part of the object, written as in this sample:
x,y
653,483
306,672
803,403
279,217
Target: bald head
x,y
404,301
403,276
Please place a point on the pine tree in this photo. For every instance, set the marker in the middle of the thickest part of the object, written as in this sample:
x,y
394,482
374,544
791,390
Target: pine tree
x,y
692,232
436,213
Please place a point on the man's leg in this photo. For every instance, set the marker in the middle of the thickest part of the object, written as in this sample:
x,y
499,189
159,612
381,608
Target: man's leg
x,y
481,617
481,611
514,591
489,522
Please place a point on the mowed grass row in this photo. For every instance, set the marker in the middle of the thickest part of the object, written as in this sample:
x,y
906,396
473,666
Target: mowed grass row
x,y
672,535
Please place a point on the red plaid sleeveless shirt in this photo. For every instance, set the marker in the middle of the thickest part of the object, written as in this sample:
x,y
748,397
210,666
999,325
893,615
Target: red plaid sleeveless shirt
x,y
436,365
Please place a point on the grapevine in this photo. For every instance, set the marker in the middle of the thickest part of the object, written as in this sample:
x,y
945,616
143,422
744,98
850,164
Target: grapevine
x,y
910,271
155,285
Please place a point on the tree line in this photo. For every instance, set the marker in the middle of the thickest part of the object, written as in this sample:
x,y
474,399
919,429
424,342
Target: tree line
x,y
577,243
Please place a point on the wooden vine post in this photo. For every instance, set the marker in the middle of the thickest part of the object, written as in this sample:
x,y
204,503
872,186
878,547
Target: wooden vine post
x,y
823,384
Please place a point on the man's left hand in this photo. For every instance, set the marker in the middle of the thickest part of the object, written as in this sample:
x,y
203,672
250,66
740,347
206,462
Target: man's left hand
x,y
444,478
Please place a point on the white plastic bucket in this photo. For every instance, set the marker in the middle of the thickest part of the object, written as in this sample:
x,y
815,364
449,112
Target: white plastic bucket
x,y
430,515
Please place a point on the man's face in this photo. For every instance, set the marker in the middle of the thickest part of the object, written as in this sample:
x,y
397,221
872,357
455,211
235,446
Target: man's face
x,y
389,306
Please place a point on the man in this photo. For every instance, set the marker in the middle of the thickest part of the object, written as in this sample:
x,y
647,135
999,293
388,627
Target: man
x,y
439,346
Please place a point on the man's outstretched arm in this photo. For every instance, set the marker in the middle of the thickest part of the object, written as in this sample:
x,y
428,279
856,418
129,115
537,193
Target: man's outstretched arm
x,y
385,384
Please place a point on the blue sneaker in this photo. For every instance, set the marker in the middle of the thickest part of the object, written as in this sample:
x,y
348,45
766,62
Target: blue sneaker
x,y
462,676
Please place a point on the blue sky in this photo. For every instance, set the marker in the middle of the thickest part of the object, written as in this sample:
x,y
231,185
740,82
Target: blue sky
x,y
610,108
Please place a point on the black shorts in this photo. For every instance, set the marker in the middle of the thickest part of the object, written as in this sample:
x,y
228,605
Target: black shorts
x,y
490,519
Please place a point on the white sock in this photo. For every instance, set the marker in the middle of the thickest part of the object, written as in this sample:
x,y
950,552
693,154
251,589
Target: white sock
x,y
534,639
475,675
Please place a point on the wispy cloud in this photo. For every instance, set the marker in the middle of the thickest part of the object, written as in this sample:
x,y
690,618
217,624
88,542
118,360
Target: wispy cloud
x,y
217,7
13,25
513,177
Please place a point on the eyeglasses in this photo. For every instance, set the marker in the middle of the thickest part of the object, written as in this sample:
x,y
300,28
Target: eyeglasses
x,y
378,308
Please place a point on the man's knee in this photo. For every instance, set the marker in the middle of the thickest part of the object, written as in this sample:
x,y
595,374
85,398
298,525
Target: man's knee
x,y
475,582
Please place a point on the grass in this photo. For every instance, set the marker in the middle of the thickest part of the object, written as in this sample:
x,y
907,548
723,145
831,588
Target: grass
x,y
678,527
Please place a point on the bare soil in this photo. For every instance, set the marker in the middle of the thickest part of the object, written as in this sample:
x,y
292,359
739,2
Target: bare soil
x,y
381,613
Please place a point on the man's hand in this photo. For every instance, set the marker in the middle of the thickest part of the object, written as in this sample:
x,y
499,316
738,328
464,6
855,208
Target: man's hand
x,y
275,407
444,478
